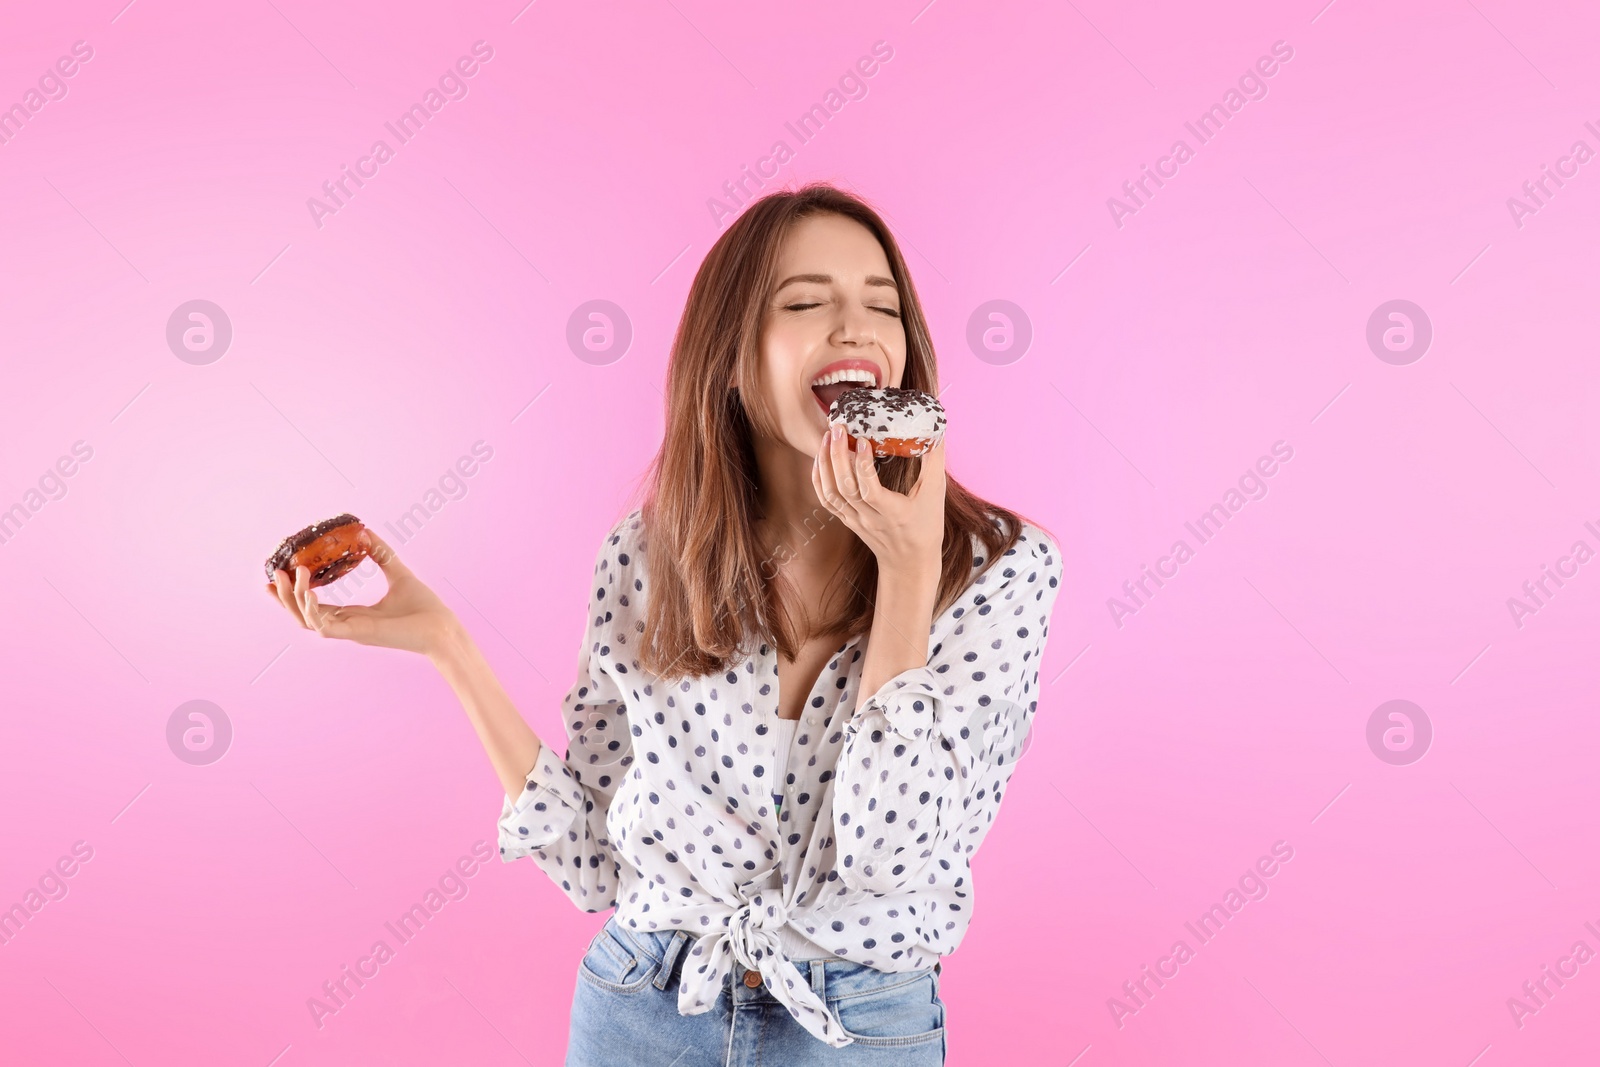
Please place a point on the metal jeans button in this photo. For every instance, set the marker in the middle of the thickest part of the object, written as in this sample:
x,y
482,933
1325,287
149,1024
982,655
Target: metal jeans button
x,y
752,978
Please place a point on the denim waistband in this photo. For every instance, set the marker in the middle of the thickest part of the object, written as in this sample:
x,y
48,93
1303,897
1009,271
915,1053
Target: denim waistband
x,y
839,978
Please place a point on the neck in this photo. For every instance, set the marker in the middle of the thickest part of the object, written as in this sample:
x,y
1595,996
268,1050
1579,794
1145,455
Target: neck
x,y
795,527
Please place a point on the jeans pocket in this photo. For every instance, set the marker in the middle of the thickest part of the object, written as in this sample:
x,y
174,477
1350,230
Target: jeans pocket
x,y
615,964
907,1013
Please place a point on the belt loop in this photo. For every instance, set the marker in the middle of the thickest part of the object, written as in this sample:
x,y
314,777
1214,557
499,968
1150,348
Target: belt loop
x,y
819,984
669,957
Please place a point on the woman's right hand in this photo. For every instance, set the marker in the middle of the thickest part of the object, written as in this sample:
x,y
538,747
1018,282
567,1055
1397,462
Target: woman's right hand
x,y
410,617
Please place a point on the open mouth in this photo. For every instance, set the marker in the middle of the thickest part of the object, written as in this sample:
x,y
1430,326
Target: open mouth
x,y
829,387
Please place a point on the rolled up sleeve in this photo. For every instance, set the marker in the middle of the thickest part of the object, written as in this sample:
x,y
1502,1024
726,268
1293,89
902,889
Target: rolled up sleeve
x,y
926,758
560,817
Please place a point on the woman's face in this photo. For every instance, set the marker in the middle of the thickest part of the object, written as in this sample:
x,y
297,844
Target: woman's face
x,y
836,309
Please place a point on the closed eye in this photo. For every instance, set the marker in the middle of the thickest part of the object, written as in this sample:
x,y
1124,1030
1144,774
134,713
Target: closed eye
x,y
802,307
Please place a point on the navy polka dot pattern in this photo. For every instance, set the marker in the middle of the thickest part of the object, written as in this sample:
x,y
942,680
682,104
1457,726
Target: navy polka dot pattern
x,y
663,805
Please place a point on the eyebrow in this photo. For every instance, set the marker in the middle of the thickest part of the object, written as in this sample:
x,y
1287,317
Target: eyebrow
x,y
827,279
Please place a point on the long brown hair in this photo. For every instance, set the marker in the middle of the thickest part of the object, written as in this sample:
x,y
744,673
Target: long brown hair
x,y
712,584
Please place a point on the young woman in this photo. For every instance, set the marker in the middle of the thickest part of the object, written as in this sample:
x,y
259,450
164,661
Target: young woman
x,y
804,683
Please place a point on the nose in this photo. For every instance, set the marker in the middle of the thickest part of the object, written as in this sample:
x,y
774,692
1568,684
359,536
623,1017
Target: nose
x,y
856,326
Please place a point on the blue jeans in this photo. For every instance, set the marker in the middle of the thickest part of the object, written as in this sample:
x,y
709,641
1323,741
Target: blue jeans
x,y
625,1012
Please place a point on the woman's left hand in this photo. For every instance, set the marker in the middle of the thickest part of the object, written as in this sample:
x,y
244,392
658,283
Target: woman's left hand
x,y
905,531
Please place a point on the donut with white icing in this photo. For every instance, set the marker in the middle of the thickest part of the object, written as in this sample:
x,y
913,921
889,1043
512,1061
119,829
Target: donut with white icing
x,y
898,422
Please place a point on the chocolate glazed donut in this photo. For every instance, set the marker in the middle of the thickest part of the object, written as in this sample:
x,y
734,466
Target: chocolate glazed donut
x,y
329,549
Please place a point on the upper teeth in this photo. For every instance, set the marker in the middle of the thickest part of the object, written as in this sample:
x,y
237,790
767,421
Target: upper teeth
x,y
851,375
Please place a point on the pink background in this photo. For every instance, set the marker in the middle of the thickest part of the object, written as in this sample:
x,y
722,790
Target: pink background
x,y
1170,752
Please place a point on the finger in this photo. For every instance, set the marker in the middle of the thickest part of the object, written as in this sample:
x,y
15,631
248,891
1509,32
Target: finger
x,y
830,487
353,622
816,481
325,619
310,608
281,582
844,473
865,466
826,484
932,472
385,556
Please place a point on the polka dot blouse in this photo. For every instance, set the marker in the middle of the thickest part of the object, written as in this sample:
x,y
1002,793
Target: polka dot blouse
x,y
663,805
